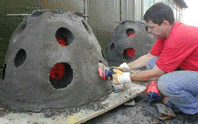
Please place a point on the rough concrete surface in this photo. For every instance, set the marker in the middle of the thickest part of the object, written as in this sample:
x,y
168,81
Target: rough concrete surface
x,y
120,115
47,41
138,115
129,35
75,115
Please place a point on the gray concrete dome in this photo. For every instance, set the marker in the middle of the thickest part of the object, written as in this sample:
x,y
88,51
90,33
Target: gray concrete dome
x,y
129,41
52,62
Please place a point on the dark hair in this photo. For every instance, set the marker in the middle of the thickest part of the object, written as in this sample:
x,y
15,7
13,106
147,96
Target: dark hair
x,y
158,13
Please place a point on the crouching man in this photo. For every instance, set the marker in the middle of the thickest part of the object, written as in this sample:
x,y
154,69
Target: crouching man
x,y
172,61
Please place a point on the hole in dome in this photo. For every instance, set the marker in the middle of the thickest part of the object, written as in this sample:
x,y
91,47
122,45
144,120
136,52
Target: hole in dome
x,y
3,73
64,37
20,57
112,46
61,75
130,32
146,28
103,55
129,53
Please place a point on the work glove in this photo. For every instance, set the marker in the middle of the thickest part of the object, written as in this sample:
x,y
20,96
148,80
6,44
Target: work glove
x,y
121,77
123,67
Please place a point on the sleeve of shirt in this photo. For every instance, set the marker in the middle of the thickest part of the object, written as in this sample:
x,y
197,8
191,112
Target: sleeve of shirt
x,y
157,47
172,56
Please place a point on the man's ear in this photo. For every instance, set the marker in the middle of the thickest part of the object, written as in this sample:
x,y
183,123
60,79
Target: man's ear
x,y
166,23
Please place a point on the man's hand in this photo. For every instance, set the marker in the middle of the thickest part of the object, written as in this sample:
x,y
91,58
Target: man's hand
x,y
121,77
123,67
147,75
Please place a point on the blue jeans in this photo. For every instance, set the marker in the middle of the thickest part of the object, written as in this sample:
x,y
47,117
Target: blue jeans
x,y
180,87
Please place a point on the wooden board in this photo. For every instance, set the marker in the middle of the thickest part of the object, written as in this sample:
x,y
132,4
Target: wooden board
x,y
114,100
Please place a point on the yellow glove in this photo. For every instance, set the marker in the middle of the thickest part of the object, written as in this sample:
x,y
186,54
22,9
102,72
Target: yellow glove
x,y
115,76
120,77
123,67
117,71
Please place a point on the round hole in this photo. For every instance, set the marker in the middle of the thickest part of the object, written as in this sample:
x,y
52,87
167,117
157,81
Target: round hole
x,y
3,74
20,57
112,46
130,33
64,37
103,54
61,75
146,28
129,53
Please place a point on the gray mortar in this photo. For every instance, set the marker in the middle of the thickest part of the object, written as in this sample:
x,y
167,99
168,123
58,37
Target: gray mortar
x,y
120,115
28,86
141,42
138,115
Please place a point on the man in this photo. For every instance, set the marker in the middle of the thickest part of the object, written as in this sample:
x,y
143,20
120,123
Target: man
x,y
172,61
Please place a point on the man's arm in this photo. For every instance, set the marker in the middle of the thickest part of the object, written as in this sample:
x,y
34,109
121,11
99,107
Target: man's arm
x,y
147,75
140,62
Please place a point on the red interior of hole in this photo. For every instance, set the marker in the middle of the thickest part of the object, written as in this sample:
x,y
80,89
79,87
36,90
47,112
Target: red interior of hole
x,y
130,52
57,71
130,34
61,41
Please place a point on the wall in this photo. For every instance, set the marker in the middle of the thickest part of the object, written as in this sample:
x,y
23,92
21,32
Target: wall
x,y
178,11
103,15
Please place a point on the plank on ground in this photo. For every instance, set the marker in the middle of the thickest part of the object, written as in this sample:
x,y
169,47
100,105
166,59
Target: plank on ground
x,y
114,100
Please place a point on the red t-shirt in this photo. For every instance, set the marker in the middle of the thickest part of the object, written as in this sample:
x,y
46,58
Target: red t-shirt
x,y
180,49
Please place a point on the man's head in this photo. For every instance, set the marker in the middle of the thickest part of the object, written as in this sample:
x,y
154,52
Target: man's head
x,y
160,19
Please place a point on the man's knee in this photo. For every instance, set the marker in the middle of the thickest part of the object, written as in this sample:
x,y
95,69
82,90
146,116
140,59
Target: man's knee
x,y
167,83
162,83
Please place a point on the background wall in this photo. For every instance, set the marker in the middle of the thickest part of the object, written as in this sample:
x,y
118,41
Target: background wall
x,y
103,15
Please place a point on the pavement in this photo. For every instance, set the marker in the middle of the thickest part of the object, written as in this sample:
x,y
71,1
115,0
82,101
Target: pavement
x,y
123,114
138,115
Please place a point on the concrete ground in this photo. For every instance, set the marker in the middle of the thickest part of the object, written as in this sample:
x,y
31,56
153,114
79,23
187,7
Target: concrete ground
x,y
138,115
121,115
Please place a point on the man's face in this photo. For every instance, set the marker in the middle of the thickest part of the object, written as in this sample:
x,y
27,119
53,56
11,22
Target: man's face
x,y
159,31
